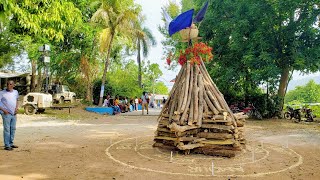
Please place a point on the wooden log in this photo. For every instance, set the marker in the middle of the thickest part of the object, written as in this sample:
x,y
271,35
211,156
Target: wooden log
x,y
166,134
173,107
217,117
189,146
181,87
205,107
213,152
216,126
214,101
161,145
193,132
201,89
184,114
243,116
211,121
240,123
209,103
195,95
219,142
174,127
241,129
220,136
164,130
216,92
173,90
188,139
186,87
190,119
165,115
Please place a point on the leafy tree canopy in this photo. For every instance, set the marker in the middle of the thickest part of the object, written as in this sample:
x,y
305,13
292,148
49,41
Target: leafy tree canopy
x,y
310,93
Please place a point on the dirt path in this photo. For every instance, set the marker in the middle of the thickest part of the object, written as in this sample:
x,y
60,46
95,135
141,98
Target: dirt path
x,y
119,147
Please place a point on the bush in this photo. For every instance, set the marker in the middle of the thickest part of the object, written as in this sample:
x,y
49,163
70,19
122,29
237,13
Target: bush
x,y
315,110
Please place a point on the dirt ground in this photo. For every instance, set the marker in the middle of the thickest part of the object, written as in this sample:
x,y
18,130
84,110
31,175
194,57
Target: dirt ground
x,y
84,145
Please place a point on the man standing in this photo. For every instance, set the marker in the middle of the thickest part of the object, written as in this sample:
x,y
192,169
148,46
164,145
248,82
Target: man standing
x,y
145,102
8,111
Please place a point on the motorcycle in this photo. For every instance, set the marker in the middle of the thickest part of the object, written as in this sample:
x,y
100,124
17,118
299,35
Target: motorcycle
x,y
292,113
252,112
308,114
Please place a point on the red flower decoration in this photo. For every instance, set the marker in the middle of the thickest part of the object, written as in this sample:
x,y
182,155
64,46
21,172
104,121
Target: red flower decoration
x,y
194,54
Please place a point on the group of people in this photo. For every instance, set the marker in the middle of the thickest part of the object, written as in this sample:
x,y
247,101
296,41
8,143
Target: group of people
x,y
123,104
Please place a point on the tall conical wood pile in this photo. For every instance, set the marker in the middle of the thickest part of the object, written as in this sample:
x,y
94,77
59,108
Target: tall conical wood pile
x,y
196,117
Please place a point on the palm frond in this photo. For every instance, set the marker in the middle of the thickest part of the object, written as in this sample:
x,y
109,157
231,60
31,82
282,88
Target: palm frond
x,y
104,40
150,36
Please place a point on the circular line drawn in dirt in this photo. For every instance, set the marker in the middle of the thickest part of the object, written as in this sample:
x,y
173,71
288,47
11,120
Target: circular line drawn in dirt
x,y
256,160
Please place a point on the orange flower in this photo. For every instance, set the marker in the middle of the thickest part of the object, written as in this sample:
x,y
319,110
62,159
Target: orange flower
x,y
193,54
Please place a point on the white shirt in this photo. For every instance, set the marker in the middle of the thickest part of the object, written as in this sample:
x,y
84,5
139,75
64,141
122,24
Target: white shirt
x,y
8,100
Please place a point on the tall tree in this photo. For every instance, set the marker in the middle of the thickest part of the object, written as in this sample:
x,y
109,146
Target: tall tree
x,y
37,22
261,41
116,18
144,39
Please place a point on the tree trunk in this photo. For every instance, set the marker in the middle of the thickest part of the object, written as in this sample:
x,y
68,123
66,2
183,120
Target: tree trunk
x,y
33,75
283,86
105,70
139,64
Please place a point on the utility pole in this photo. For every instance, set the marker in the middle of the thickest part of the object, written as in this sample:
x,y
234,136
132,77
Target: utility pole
x,y
45,49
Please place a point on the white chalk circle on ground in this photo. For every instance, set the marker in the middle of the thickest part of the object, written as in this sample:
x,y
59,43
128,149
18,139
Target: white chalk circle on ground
x,y
254,161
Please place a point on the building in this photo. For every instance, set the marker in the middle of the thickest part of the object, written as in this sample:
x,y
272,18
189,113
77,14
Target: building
x,y
22,80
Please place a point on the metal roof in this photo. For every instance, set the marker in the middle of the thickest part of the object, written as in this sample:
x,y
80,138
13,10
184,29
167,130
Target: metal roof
x,y
11,75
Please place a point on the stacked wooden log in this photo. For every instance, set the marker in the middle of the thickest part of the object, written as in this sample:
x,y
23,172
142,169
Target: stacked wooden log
x,y
196,117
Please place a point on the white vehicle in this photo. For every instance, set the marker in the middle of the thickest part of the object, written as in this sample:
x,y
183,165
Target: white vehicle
x,y
62,93
36,102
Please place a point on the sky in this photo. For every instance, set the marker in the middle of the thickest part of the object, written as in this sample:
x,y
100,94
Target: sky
x,y
152,10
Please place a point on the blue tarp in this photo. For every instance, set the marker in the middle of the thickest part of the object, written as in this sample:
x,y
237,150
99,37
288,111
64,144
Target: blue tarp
x,y
101,110
107,110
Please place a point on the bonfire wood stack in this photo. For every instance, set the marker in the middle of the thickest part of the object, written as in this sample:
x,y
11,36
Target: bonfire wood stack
x,y
197,118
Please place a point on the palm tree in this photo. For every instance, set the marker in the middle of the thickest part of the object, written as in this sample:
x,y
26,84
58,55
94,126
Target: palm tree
x,y
144,38
117,18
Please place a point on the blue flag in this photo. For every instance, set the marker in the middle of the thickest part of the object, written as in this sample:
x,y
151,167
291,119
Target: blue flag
x,y
182,21
199,17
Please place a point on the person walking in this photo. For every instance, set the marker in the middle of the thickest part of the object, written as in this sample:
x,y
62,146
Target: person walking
x,y
145,102
8,110
136,101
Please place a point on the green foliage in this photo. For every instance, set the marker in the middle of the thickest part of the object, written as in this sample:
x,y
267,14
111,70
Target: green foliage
x,y
47,18
310,93
121,78
316,110
160,88
260,41
8,46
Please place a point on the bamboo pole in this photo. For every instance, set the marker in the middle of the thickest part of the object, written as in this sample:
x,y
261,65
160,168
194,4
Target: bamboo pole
x,y
184,115
171,92
201,90
216,91
209,103
195,95
186,88
190,119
